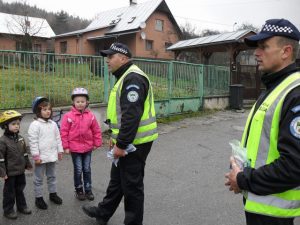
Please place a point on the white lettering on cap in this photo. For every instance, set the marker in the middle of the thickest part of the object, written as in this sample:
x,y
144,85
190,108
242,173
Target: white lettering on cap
x,y
277,29
121,50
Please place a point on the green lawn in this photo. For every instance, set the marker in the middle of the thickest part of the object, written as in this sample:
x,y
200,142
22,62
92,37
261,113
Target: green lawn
x,y
19,86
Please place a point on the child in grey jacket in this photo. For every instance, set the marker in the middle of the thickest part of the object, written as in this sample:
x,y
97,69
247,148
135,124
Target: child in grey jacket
x,y
13,162
46,148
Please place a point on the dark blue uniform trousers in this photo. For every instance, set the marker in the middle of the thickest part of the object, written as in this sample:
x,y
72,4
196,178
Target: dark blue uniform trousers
x,y
127,179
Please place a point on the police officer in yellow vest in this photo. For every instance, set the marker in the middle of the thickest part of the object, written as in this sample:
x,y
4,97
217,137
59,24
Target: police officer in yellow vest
x,y
271,184
131,117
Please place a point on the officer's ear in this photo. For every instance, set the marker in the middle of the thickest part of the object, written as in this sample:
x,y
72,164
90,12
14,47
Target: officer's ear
x,y
287,51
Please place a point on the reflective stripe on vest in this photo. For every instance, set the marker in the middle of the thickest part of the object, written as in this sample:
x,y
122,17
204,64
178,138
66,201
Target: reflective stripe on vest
x,y
262,149
147,130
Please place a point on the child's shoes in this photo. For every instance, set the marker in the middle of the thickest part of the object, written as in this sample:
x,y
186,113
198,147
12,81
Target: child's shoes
x,y
79,194
55,198
89,195
40,203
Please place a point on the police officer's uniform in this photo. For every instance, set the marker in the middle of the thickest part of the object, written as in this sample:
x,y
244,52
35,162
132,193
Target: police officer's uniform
x,y
271,184
127,118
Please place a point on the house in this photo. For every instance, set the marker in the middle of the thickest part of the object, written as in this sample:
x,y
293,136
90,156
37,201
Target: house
x,y
148,29
13,29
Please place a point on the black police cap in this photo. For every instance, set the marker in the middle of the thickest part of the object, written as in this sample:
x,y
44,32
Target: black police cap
x,y
117,48
274,27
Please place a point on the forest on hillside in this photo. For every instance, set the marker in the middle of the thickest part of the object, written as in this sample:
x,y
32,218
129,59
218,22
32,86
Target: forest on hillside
x,y
60,22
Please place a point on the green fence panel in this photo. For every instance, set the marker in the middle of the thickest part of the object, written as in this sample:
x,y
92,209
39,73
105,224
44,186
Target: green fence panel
x,y
177,86
216,80
25,75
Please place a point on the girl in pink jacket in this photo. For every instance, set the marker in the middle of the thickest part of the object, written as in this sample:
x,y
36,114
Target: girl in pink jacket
x,y
81,134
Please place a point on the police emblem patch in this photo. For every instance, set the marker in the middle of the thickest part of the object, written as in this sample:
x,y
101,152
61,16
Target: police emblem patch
x,y
295,127
132,96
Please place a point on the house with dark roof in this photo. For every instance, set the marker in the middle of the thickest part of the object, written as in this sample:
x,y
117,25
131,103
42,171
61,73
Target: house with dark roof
x,y
148,29
13,28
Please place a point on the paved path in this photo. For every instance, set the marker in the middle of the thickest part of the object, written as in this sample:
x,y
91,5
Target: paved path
x,y
184,180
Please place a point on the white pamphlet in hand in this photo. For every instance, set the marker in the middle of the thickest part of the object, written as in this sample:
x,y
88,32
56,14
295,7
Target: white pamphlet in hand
x,y
239,153
110,154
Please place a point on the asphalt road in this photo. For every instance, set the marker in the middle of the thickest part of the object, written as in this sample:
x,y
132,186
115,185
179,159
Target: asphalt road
x,y
184,179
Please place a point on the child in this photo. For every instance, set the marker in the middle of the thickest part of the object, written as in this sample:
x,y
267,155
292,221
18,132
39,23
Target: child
x,y
13,162
81,134
46,148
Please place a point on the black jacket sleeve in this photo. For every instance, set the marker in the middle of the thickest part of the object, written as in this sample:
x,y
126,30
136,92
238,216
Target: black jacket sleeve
x,y
284,173
26,155
133,95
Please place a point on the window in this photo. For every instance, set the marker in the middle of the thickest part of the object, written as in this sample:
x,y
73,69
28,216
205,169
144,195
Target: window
x,y
18,46
159,25
167,45
63,47
149,45
37,47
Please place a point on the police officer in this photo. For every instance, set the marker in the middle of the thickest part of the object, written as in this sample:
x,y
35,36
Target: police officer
x,y
131,118
272,133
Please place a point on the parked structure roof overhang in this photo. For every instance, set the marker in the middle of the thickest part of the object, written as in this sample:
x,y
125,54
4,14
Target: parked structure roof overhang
x,y
212,40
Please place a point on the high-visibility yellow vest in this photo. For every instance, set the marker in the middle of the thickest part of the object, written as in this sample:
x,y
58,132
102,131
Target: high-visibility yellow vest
x,y
262,140
147,130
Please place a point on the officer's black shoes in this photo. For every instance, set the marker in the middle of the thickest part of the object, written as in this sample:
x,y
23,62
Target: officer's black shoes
x,y
24,211
40,203
92,211
100,221
55,198
89,195
12,215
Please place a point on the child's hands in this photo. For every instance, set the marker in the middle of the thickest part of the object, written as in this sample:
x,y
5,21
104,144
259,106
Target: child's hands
x,y
67,151
5,177
29,168
37,161
60,156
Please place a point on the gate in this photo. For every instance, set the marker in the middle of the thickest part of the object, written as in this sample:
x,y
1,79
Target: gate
x,y
249,77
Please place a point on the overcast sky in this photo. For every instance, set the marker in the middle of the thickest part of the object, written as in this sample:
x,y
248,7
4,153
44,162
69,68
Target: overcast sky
x,y
202,14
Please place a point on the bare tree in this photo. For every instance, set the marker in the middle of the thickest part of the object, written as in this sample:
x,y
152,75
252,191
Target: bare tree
x,y
188,31
208,32
22,28
248,26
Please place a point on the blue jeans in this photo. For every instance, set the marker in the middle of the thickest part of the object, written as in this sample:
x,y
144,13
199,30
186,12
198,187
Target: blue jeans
x,y
82,168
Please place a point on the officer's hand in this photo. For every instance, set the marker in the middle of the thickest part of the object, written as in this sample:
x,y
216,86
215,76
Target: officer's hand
x,y
231,177
118,152
110,144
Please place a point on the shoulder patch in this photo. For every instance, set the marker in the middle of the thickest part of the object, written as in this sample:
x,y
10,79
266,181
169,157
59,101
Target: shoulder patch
x,y
295,127
132,96
296,109
132,86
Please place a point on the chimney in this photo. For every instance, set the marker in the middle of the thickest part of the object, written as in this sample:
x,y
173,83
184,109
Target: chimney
x,y
132,2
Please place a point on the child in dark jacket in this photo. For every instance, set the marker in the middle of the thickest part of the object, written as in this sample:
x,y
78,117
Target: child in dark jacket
x,y
13,162
81,134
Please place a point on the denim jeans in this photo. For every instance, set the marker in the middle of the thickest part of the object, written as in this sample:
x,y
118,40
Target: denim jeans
x,y
82,169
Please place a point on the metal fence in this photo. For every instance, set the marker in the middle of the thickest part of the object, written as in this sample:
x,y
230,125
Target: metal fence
x,y
25,75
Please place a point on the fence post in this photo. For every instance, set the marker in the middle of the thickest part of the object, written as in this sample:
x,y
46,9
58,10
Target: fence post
x,y
106,80
201,85
170,85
